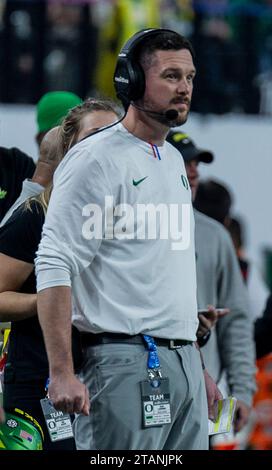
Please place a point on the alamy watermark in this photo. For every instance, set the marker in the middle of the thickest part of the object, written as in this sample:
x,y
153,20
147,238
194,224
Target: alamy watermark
x,y
142,222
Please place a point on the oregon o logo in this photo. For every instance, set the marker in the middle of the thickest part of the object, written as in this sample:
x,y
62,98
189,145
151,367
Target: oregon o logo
x,y
51,424
148,408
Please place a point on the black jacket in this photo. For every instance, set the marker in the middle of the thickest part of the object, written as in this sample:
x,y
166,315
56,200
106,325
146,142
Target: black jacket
x,y
15,167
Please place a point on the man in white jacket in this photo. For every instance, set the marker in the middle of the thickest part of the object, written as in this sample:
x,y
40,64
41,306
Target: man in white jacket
x,y
143,372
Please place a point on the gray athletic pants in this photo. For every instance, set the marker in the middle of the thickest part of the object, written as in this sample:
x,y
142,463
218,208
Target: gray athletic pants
x,y
113,373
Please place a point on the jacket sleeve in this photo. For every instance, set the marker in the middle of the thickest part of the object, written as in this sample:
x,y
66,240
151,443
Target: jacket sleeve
x,y
67,246
235,330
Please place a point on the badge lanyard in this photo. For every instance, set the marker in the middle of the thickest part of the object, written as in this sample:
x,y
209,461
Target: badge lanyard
x,y
155,393
153,362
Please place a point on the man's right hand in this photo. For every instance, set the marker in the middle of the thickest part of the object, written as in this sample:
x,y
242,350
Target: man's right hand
x,y
213,394
69,395
208,318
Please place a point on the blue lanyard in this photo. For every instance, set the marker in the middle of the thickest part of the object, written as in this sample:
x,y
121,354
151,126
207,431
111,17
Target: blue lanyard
x,y
47,385
153,362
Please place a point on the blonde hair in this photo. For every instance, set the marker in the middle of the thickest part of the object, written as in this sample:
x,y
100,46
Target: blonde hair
x,y
68,135
70,128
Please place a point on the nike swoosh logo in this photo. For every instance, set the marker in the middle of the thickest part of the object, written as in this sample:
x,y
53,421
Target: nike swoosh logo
x,y
136,182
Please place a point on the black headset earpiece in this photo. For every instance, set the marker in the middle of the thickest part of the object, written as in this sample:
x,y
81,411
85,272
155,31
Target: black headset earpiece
x,y
129,79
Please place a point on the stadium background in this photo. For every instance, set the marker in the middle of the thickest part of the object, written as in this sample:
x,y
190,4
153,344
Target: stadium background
x,y
72,44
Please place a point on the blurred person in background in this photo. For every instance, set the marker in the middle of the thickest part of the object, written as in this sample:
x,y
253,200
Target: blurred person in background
x,y
236,230
50,110
230,348
117,21
26,373
218,61
215,200
18,171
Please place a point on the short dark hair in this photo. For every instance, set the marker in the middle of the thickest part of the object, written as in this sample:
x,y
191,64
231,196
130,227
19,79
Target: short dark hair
x,y
165,41
214,200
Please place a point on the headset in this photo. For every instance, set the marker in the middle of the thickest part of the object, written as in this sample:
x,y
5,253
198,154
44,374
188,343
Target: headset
x,y
129,78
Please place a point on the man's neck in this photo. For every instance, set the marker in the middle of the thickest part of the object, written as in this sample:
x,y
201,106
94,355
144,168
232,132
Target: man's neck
x,y
144,127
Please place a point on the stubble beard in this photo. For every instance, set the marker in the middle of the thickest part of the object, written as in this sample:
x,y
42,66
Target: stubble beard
x,y
179,121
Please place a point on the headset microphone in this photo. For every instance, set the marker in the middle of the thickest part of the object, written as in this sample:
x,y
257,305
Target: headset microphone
x,y
170,114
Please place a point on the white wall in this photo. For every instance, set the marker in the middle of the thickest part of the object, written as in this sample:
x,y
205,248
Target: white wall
x,y
243,151
243,160
18,128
